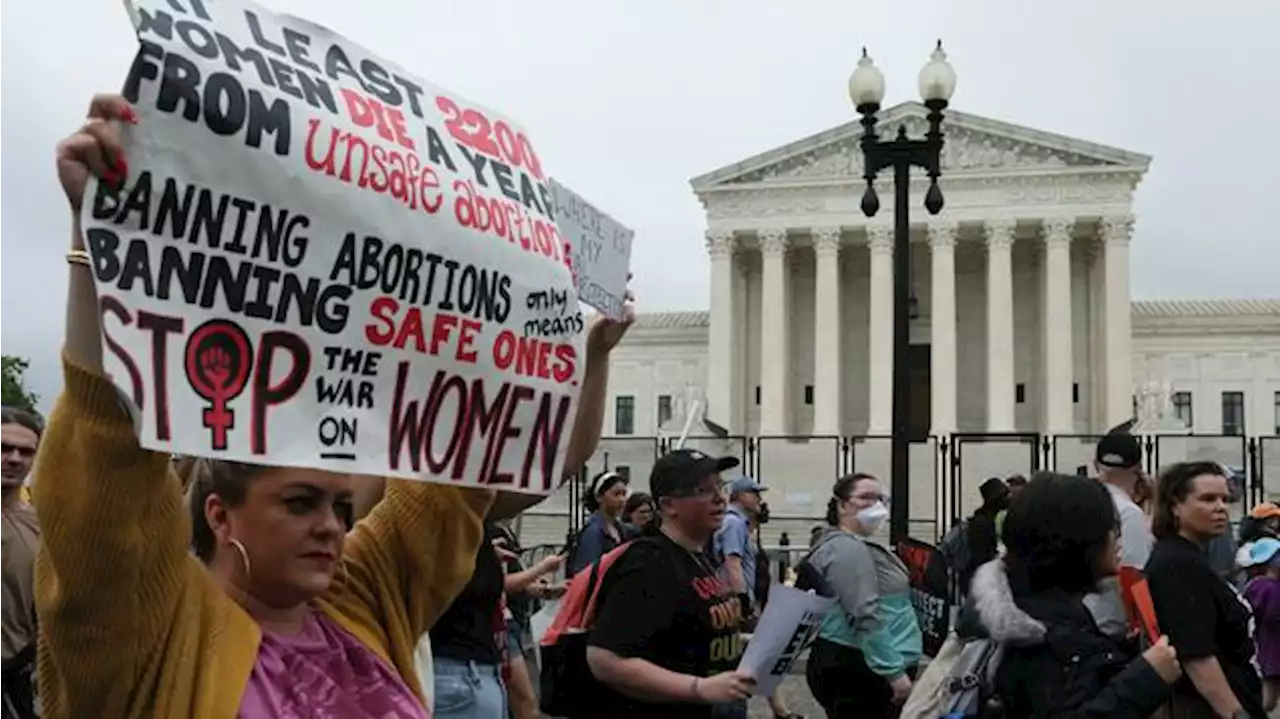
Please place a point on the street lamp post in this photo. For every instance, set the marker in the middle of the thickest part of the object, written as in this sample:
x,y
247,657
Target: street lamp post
x,y
866,89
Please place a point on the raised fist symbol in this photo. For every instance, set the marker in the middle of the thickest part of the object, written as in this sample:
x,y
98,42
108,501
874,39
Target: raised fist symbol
x,y
217,360
215,363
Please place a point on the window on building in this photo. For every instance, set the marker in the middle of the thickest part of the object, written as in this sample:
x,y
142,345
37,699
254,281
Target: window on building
x,y
664,409
623,471
624,415
1020,393
808,394
1277,413
757,394
1075,393
1233,413
1182,409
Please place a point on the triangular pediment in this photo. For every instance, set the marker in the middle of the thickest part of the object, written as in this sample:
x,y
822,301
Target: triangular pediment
x,y
973,145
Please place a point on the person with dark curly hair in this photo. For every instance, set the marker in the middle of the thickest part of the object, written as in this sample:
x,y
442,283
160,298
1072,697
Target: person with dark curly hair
x,y
1060,538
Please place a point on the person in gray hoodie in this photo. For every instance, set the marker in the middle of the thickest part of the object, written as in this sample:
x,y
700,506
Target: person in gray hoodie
x,y
865,656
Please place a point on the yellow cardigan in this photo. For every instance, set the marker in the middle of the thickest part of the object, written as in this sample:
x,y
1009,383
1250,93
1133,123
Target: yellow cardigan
x,y
133,626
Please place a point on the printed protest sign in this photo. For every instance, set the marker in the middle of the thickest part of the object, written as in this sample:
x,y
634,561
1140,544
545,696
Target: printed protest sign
x,y
790,622
930,591
601,250
320,259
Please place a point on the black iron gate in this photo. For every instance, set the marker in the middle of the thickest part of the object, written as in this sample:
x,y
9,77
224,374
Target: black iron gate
x,y
1017,453
1264,456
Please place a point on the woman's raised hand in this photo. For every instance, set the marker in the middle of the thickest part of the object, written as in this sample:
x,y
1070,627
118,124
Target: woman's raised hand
x,y
95,148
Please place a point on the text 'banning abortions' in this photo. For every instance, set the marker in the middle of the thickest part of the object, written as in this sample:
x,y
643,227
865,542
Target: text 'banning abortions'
x,y
322,260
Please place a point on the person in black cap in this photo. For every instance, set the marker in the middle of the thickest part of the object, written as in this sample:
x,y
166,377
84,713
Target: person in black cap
x,y
980,530
666,633
1118,460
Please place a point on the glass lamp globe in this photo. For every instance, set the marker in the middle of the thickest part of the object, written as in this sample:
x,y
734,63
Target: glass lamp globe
x,y
866,84
937,79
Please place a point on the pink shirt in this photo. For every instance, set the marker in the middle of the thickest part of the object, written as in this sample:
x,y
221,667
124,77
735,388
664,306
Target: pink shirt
x,y
323,671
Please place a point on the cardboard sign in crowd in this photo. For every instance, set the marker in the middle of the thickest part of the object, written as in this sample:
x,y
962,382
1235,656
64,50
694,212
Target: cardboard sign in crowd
x,y
320,259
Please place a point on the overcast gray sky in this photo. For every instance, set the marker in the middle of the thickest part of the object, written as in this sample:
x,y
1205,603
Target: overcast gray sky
x,y
628,100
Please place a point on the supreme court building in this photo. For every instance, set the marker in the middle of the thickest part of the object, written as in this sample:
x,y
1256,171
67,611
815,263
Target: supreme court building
x,y
1021,285
1022,322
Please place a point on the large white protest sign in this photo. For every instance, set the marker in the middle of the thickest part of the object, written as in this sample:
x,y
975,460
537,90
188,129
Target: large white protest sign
x,y
320,259
601,250
790,622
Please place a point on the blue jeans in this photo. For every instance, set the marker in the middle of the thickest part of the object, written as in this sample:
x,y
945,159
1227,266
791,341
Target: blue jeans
x,y
468,690
732,710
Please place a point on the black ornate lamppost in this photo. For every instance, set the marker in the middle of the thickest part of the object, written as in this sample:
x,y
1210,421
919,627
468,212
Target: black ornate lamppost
x,y
866,89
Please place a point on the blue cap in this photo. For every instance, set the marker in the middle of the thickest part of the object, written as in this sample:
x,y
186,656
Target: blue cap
x,y
1261,551
744,483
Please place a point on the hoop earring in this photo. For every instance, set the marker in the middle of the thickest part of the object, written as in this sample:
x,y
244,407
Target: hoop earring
x,y
244,557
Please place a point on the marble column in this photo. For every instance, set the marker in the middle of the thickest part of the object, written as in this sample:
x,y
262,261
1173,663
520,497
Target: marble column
x,y
1000,365
1058,362
722,395
942,325
880,330
827,391
1118,362
775,345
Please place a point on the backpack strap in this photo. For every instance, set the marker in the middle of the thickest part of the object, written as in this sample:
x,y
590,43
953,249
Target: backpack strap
x,y
595,580
805,566
826,537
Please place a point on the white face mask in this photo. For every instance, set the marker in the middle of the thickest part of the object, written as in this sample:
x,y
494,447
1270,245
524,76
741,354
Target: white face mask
x,y
872,517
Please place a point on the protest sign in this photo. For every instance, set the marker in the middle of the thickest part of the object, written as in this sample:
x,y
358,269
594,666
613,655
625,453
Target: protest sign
x,y
319,259
790,622
930,591
601,250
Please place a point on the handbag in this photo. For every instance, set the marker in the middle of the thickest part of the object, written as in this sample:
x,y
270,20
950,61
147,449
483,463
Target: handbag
x,y
931,689
958,681
564,679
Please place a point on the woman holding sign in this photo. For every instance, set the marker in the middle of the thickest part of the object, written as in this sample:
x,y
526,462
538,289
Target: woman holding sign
x,y
292,616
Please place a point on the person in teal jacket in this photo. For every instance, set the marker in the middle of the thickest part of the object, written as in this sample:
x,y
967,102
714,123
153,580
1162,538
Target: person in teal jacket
x,y
862,663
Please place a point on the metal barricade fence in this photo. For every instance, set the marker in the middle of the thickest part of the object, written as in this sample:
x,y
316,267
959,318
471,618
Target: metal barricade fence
x,y
928,496
975,458
1231,451
1071,453
945,473
799,472
1266,468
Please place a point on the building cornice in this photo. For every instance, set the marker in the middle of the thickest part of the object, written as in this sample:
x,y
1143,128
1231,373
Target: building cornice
x,y
1158,318
957,122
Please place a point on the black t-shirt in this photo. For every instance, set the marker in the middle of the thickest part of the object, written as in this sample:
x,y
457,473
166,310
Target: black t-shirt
x,y
1204,616
661,603
466,631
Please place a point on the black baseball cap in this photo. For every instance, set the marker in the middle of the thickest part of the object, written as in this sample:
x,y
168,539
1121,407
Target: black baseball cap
x,y
1119,450
679,473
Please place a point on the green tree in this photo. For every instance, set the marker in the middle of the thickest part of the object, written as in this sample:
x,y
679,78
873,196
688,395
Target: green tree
x,y
15,392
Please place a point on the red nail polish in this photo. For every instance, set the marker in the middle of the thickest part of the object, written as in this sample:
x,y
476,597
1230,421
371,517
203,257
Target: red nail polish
x,y
129,116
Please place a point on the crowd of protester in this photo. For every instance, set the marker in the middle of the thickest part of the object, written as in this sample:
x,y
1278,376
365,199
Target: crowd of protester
x,y
142,585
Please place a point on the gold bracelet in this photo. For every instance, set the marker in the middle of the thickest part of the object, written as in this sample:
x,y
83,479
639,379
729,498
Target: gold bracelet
x,y
79,257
